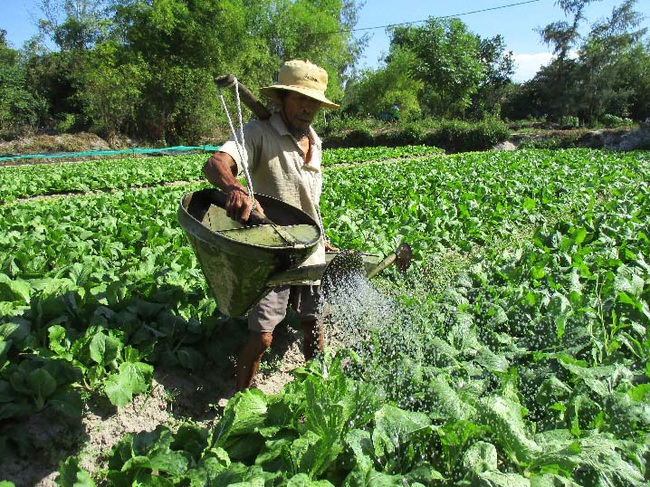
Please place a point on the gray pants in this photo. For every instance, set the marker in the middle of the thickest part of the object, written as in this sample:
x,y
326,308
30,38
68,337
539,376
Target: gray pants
x,y
272,308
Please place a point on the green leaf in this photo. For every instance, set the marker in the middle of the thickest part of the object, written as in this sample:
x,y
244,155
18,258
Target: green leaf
x,y
480,457
529,204
132,378
7,392
104,349
16,330
190,358
58,341
505,418
4,351
68,402
628,282
303,480
448,404
245,412
551,480
394,428
360,441
369,477
41,384
72,475
499,479
640,393
14,289
174,463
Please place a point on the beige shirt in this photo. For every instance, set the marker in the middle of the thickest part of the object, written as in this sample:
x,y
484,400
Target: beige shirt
x,y
278,168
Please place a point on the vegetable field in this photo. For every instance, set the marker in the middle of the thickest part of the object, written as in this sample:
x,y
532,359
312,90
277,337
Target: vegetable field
x,y
514,351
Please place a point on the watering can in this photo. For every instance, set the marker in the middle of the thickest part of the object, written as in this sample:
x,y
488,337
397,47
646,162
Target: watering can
x,y
243,262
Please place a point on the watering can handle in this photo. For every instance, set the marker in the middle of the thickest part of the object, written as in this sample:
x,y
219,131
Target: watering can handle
x,y
257,217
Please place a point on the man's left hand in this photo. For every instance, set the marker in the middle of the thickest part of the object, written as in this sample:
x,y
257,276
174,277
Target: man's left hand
x,y
330,248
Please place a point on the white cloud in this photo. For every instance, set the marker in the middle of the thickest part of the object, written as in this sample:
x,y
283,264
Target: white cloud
x,y
527,65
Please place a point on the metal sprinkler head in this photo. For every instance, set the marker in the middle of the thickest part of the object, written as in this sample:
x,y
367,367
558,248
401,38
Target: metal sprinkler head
x,y
403,257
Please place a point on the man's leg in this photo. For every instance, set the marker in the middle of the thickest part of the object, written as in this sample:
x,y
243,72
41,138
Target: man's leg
x,y
313,338
262,320
306,300
250,357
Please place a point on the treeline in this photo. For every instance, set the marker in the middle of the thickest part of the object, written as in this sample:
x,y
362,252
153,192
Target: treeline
x,y
145,68
442,70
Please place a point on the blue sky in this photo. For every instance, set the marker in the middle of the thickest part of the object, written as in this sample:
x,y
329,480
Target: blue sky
x,y
514,20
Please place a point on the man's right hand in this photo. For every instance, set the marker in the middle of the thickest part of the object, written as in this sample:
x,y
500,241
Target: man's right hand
x,y
238,205
221,170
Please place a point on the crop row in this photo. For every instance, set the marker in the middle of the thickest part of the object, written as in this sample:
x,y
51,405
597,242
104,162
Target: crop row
x,y
515,347
78,177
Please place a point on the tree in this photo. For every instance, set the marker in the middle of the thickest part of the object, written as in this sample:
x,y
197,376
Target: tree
x,y
75,24
498,67
181,48
448,64
606,59
111,90
374,92
440,69
595,75
185,44
20,108
75,27
318,30
639,81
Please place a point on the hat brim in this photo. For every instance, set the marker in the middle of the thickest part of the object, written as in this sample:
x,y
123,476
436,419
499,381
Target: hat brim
x,y
272,92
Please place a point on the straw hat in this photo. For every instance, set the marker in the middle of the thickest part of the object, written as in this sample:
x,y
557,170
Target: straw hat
x,y
302,77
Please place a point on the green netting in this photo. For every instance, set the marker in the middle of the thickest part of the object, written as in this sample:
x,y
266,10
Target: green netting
x,y
95,153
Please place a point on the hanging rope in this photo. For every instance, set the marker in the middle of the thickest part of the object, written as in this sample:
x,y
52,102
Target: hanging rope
x,y
238,137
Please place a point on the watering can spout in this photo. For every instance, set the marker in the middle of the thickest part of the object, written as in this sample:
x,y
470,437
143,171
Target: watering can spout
x,y
370,264
401,257
242,263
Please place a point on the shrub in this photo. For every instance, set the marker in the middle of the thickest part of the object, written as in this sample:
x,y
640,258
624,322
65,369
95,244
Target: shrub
x,y
561,141
410,134
569,122
450,135
612,121
67,122
458,136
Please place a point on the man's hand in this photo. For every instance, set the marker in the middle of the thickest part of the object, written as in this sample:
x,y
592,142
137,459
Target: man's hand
x,y
329,247
221,170
238,205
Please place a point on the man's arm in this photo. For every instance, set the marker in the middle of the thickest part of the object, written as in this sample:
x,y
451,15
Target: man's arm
x,y
221,170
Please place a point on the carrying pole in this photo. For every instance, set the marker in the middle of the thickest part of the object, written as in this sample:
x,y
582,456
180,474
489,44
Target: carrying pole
x,y
247,97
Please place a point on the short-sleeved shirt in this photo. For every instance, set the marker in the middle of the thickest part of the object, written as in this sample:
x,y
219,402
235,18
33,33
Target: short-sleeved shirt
x,y
278,167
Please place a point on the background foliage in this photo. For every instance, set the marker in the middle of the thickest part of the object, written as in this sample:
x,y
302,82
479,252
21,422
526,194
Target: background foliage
x,y
144,69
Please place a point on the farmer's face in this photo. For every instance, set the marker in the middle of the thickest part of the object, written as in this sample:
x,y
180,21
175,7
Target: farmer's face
x,y
299,111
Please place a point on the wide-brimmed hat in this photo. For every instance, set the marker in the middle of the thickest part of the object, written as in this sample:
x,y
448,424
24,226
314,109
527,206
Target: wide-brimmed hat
x,y
302,77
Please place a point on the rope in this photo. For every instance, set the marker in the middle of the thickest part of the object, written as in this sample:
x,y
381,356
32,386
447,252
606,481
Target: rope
x,y
238,137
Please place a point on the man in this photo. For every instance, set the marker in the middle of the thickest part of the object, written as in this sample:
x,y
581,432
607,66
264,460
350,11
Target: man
x,y
284,159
